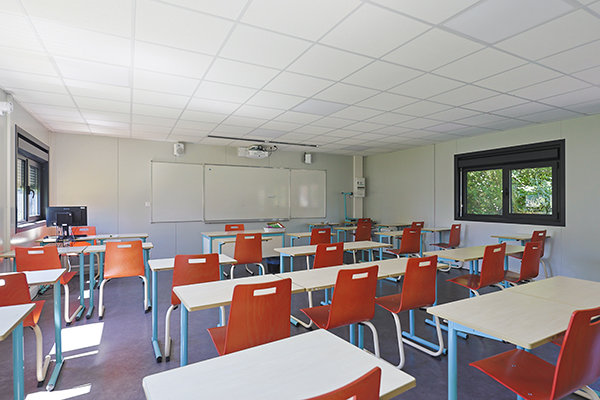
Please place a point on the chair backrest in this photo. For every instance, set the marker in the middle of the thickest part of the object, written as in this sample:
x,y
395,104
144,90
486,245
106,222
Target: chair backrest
x,y
530,263
123,259
365,387
353,297
234,227
578,364
248,248
363,232
259,314
14,291
363,220
329,255
194,268
418,224
418,289
411,241
37,258
320,235
492,266
83,230
454,239
540,237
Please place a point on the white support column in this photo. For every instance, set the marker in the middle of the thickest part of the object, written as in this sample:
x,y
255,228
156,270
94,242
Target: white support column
x,y
357,172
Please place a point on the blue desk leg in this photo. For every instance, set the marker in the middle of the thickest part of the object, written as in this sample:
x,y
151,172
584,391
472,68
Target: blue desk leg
x,y
361,336
92,286
452,363
146,253
157,352
81,288
57,338
352,337
18,363
184,337
281,268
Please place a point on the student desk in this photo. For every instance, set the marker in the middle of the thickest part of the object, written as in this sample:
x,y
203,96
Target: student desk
x,y
344,229
102,238
64,251
398,235
166,264
300,235
11,320
319,360
397,225
549,305
517,237
101,248
52,277
208,237
207,295
312,225
311,250
472,254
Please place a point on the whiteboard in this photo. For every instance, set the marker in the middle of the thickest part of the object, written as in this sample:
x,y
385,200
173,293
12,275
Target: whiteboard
x,y
176,192
239,193
308,191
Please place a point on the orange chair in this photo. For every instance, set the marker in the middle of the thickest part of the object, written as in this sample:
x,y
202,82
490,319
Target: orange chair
x,y
121,260
492,270
365,387
533,378
362,233
418,290
40,258
353,302
188,270
83,230
320,235
418,224
234,227
453,240
530,265
259,314
410,243
248,250
14,291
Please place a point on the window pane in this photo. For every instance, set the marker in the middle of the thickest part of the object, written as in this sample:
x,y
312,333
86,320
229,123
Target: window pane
x,y
484,192
531,191
34,191
20,190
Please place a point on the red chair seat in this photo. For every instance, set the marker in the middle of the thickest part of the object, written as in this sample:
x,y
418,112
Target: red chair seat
x,y
319,315
218,335
442,245
523,373
511,276
391,302
469,281
33,317
67,276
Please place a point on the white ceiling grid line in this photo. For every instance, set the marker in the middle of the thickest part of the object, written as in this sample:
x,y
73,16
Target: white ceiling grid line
x,y
355,77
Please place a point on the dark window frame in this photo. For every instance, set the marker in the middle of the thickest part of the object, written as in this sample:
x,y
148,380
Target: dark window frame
x,y
32,151
551,153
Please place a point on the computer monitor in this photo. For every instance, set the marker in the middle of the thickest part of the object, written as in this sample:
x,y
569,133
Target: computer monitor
x,y
64,217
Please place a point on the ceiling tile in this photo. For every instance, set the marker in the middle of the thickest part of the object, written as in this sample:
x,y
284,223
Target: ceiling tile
x,y
363,126
26,61
153,121
223,92
432,11
463,95
553,87
172,26
390,118
589,108
482,64
159,82
332,122
481,119
576,97
238,73
328,63
28,96
551,115
13,80
319,107
454,114
519,77
432,50
156,111
261,47
98,90
561,34
21,32
386,101
212,106
492,104
296,84
309,19
387,30
346,94
382,75
422,108
158,99
591,75
574,60
494,20
419,123
228,9
425,86
103,105
523,109
445,127
201,116
280,126
244,121
92,71
275,100
257,112
356,113
153,57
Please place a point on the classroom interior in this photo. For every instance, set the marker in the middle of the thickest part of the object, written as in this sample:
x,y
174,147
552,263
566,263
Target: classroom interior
x,y
546,90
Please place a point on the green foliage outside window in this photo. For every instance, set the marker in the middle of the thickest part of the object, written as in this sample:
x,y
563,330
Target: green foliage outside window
x,y
531,190
484,192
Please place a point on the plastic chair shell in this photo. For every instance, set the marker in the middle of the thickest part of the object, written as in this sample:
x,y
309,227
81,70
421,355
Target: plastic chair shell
x,y
492,270
410,243
329,255
320,235
365,387
234,227
530,264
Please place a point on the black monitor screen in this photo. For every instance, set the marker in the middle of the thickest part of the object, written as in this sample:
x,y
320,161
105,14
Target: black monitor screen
x,y
66,216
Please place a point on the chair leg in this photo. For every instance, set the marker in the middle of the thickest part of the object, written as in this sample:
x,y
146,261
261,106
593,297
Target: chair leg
x,y
354,255
249,270
375,337
145,292
262,268
310,304
231,271
40,369
400,341
588,393
546,269
168,333
101,299
432,353
223,319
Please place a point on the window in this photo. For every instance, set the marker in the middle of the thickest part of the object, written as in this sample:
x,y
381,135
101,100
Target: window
x,y
31,180
521,184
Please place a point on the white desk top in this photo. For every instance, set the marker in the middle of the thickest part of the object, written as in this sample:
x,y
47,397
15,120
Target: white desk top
x,y
525,315
318,360
247,231
577,292
61,250
345,228
396,225
435,229
516,236
324,223
470,253
11,316
232,240
98,248
42,277
303,234
165,264
219,293
103,236
348,246
393,233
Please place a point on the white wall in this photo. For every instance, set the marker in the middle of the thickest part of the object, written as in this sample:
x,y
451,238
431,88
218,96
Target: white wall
x,y
112,177
419,184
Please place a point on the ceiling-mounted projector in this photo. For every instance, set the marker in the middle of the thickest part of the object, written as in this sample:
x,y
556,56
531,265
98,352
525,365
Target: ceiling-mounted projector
x,y
256,151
